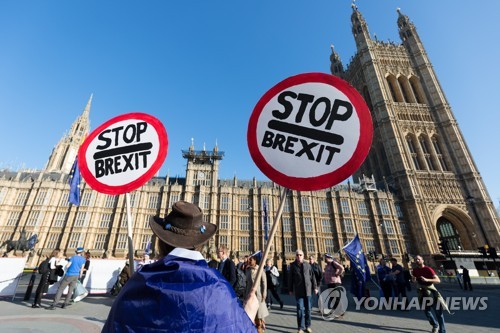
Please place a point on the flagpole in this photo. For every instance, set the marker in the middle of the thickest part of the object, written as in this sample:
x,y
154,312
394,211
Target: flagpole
x,y
256,283
129,231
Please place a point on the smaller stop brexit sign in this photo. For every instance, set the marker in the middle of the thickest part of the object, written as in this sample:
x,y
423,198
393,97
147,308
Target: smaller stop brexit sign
x,y
124,153
310,131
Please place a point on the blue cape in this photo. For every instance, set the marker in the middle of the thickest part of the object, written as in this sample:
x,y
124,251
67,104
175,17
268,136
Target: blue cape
x,y
178,293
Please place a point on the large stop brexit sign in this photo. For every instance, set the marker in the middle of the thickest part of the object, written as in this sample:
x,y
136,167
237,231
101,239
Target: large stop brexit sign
x,y
310,131
124,153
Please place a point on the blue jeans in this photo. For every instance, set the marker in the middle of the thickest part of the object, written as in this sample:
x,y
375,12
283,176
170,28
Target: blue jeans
x,y
303,312
439,315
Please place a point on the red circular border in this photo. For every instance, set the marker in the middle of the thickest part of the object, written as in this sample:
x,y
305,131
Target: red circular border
x,y
329,179
108,189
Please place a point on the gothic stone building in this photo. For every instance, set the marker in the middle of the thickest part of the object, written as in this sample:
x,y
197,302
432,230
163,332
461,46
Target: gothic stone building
x,y
422,183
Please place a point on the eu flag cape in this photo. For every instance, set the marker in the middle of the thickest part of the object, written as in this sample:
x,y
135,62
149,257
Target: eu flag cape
x,y
178,293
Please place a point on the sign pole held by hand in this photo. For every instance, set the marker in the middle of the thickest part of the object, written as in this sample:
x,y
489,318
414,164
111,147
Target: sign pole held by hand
x,y
129,235
276,222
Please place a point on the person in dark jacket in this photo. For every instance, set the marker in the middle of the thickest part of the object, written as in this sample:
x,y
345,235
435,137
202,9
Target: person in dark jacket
x,y
43,285
226,266
302,284
179,292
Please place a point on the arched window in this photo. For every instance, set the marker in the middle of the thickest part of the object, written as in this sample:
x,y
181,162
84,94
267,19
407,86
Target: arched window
x,y
394,88
439,154
417,91
405,89
448,232
427,153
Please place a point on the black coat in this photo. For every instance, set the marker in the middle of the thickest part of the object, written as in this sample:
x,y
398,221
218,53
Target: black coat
x,y
229,271
301,280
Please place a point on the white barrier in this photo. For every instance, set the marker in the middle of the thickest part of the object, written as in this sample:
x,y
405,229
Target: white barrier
x,y
100,278
11,270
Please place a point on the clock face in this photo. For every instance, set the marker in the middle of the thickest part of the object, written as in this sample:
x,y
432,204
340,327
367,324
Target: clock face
x,y
201,175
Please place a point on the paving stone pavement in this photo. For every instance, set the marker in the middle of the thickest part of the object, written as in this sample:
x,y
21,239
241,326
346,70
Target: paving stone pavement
x,y
89,315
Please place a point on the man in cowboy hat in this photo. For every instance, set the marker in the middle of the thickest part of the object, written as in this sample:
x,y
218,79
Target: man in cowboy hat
x,y
180,293
74,270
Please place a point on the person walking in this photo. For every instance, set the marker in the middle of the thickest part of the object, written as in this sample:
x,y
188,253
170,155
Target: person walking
x,y
179,292
466,278
272,276
426,278
226,266
74,270
385,279
399,285
302,284
43,285
261,292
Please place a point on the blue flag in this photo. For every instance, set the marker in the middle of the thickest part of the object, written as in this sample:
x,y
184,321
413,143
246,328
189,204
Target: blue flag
x,y
265,221
258,256
148,248
354,251
74,184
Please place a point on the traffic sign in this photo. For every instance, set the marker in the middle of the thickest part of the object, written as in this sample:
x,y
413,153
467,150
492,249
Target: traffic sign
x,y
310,131
124,153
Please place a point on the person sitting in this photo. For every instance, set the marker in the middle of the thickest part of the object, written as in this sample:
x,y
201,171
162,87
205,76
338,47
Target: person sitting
x,y
179,292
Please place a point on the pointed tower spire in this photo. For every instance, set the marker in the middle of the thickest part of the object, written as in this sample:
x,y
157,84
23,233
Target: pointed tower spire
x,y
336,66
359,28
64,153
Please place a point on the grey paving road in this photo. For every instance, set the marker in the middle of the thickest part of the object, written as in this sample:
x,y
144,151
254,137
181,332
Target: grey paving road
x,y
89,316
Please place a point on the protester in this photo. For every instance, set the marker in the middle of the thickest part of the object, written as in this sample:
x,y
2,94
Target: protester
x,y
226,266
302,284
251,273
179,292
213,263
74,270
333,272
318,275
466,278
57,264
86,266
399,283
272,280
385,279
145,261
43,285
426,278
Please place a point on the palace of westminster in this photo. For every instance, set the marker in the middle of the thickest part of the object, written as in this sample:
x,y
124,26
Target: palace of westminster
x,y
418,184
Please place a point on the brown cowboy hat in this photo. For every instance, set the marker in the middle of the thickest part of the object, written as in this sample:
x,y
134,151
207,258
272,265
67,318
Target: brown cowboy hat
x,y
183,226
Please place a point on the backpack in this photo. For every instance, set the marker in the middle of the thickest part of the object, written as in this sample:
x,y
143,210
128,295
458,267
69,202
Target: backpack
x,y
241,283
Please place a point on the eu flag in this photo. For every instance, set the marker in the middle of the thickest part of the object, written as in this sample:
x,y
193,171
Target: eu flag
x,y
265,221
74,184
354,250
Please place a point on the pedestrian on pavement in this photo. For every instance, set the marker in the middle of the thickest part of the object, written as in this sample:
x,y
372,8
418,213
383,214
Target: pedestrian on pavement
x,y
272,276
385,279
318,275
179,292
74,270
466,278
399,284
302,284
261,292
43,285
426,278
86,266
226,266
333,272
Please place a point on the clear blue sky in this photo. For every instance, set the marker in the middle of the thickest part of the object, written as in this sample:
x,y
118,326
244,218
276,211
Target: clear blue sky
x,y
200,67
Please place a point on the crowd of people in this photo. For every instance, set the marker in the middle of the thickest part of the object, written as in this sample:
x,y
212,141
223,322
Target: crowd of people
x,y
233,301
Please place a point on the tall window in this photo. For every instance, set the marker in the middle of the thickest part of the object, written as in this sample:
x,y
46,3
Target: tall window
x,y
21,198
3,194
86,199
224,222
223,241
286,207
100,241
366,227
64,202
404,228
394,246
40,198
389,227
286,224
327,225
384,207
329,247
206,201
51,242
224,202
174,197
310,245
348,227
13,218
344,203
439,153
448,232
370,245
307,224
244,223
59,219
305,204
288,245
105,221
121,242
110,201
81,219
399,211
145,239
153,200
363,210
74,240
244,206
35,217
245,244
323,206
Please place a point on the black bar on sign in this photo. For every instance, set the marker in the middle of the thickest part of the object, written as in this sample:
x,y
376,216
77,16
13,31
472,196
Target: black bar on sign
x,y
307,132
123,150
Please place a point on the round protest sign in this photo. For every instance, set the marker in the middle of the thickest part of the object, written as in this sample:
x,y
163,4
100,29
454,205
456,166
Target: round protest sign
x,y
310,131
124,153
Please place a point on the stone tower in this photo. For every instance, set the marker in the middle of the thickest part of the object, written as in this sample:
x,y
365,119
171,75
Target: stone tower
x,y
418,149
64,153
